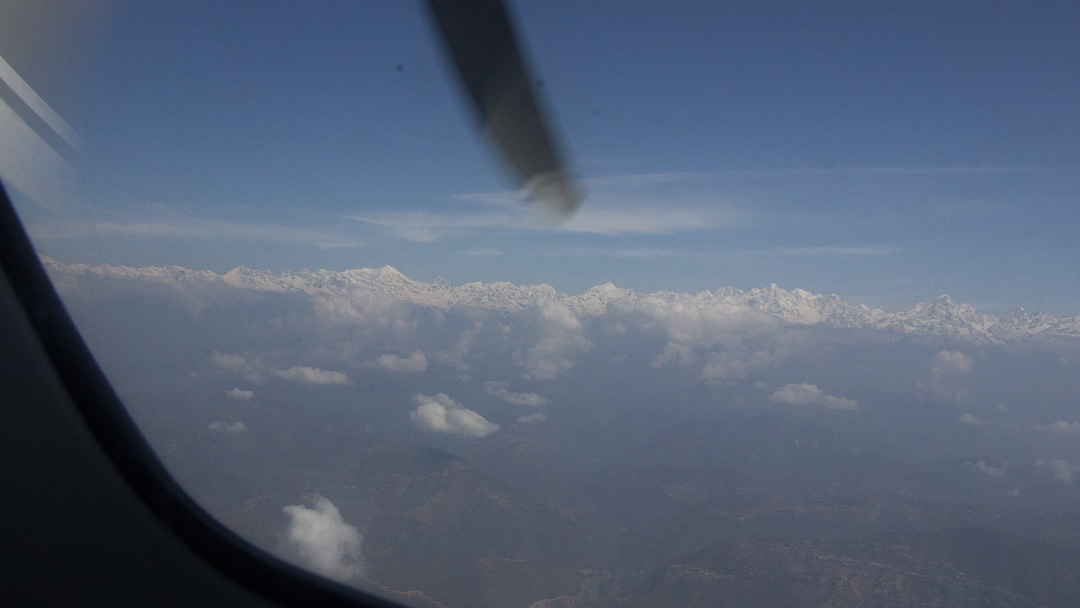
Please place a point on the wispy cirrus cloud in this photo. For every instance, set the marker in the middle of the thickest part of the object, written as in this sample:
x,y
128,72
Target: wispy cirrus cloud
x,y
954,170
426,227
190,227
824,251
511,198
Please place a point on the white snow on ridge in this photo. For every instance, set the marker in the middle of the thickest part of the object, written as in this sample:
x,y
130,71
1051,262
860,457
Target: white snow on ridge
x,y
941,316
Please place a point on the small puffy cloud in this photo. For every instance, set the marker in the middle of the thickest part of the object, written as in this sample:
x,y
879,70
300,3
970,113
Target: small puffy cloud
x,y
726,366
971,419
808,394
530,418
311,375
674,351
224,427
415,363
990,470
319,539
236,363
441,414
242,395
502,391
1001,407
1060,427
1061,469
952,362
248,367
946,369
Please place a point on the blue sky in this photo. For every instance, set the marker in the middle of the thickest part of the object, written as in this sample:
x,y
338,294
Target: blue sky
x,y
887,152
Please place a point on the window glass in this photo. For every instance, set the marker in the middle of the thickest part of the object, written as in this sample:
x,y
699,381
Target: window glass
x,y
731,377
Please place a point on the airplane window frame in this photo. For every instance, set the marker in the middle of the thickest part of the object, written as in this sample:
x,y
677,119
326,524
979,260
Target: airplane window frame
x,y
99,407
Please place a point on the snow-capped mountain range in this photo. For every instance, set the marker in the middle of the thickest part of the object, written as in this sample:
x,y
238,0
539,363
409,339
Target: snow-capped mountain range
x,y
940,317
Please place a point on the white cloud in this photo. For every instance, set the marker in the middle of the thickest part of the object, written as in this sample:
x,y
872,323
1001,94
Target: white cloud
x,y
368,313
236,363
654,220
530,418
625,253
252,369
1061,469
249,368
990,470
648,179
1060,427
441,414
553,355
514,198
748,341
224,427
836,251
952,362
726,366
242,395
502,391
179,226
320,540
460,352
808,394
557,332
946,370
558,315
416,362
674,352
971,419
424,227
311,375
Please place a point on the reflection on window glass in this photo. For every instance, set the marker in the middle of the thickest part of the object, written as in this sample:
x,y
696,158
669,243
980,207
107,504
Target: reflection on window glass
x,y
353,340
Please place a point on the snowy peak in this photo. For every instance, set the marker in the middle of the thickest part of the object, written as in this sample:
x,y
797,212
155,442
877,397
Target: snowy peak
x,y
595,301
938,317
796,306
1024,323
389,274
942,316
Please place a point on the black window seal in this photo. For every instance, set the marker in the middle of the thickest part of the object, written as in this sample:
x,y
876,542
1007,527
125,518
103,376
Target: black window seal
x,y
118,437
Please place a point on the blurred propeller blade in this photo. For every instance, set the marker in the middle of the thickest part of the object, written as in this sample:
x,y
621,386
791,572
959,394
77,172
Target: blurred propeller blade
x,y
481,42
